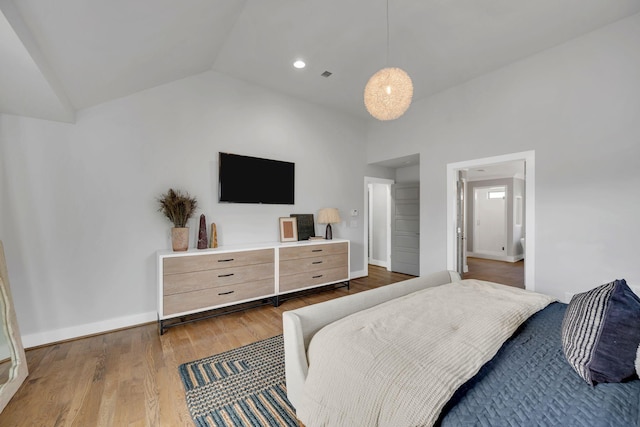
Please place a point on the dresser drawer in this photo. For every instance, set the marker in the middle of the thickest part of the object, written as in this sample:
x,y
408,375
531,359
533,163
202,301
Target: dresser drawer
x,y
295,266
199,280
199,300
302,280
183,264
305,251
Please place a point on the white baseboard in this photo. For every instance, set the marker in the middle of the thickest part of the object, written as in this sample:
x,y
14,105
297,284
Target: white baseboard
x,y
48,337
505,258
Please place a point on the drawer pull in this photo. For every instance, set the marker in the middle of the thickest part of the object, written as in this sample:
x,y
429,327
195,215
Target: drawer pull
x,y
316,262
316,250
225,275
317,277
225,260
226,293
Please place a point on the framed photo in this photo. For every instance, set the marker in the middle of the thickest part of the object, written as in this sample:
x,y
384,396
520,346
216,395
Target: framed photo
x,y
288,229
306,226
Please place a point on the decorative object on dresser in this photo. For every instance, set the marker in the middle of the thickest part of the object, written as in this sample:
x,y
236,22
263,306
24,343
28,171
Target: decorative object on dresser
x,y
180,238
178,207
306,226
328,216
199,284
288,229
202,234
214,235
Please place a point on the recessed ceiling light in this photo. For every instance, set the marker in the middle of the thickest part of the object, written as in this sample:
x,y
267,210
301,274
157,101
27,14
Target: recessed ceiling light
x,y
299,64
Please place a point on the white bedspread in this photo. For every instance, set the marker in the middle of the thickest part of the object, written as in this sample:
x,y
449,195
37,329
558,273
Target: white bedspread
x,y
397,364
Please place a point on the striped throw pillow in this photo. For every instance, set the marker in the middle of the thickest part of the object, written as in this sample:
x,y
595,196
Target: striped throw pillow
x,y
601,333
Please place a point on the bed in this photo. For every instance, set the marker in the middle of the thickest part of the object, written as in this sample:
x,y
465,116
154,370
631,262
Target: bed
x,y
527,381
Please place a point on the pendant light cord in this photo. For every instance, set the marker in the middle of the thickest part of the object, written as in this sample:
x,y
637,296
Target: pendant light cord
x,y
387,59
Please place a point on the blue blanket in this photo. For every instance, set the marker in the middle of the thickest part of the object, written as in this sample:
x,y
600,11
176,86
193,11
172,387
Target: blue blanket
x,y
529,383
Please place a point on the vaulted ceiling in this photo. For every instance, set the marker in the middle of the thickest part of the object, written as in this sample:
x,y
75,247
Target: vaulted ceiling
x,y
57,57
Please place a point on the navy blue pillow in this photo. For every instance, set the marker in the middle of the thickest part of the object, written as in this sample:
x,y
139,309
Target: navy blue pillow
x,y
601,333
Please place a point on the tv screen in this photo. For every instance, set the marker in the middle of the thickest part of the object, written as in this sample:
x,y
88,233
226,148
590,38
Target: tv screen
x,y
244,179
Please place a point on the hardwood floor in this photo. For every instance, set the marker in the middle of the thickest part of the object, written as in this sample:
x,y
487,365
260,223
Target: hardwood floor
x,y
508,273
130,377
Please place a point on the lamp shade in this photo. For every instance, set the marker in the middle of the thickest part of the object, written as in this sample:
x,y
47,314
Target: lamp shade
x,y
328,216
388,93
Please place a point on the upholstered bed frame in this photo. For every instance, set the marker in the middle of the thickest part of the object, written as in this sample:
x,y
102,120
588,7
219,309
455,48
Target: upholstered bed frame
x,y
300,325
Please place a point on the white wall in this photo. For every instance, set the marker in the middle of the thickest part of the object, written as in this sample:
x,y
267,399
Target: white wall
x,y
408,174
80,222
578,107
3,185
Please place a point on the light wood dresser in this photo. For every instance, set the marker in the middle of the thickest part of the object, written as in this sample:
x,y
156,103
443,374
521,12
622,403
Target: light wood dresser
x,y
198,284
312,265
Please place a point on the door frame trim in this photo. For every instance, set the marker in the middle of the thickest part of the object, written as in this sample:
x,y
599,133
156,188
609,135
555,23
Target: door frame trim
x,y
530,192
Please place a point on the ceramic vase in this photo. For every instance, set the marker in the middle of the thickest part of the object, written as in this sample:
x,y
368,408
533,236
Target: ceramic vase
x,y
180,238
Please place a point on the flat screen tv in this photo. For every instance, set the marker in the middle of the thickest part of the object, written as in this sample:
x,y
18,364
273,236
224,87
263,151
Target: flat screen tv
x,y
244,179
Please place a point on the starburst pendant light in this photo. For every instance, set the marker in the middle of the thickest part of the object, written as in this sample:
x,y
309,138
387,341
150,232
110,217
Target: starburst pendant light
x,y
388,92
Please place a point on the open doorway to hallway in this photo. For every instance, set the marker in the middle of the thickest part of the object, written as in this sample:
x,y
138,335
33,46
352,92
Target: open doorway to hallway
x,y
392,225
495,222
479,232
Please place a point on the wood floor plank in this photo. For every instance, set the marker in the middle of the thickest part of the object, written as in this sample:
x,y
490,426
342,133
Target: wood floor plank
x,y
130,377
507,273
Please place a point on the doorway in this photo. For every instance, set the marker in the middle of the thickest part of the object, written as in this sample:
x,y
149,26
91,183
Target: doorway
x,y
457,236
392,225
404,169
377,227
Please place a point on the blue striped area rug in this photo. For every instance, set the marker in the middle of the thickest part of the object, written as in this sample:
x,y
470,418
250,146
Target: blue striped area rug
x,y
241,387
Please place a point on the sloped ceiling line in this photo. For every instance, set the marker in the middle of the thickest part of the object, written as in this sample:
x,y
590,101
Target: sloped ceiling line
x,y
65,112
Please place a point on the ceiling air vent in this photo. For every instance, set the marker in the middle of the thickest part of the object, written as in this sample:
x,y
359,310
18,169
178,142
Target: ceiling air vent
x,y
326,74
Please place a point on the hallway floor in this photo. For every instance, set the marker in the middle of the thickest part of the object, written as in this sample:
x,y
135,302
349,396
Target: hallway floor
x,y
507,273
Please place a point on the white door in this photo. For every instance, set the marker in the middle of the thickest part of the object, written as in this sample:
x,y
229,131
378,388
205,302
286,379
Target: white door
x,y
405,228
490,220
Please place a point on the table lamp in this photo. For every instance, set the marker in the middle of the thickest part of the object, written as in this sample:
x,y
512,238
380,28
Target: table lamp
x,y
328,216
